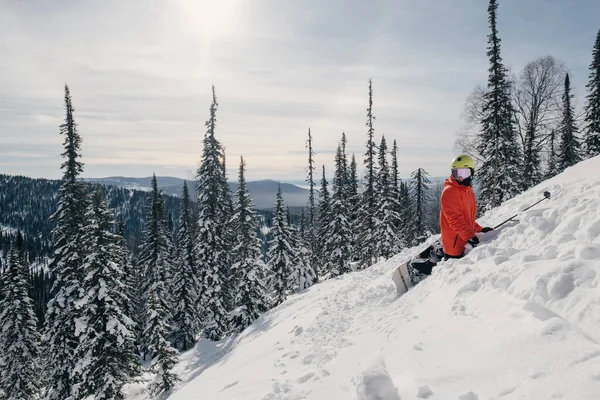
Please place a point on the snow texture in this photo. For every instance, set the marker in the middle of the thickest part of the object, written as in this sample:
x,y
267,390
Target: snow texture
x,y
517,318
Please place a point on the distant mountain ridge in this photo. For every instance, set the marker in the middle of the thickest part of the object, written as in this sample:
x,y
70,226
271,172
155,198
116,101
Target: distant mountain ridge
x,y
262,192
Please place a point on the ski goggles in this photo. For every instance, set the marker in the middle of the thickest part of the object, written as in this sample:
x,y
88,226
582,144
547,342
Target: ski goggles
x,y
462,173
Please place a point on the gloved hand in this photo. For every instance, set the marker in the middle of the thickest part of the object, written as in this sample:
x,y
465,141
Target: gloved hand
x,y
474,241
487,229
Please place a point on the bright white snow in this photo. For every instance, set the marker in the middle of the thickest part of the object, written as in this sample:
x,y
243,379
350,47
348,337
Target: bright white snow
x,y
518,318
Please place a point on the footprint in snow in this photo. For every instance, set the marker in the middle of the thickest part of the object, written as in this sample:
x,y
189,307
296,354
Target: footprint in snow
x,y
424,392
589,252
559,286
472,286
375,383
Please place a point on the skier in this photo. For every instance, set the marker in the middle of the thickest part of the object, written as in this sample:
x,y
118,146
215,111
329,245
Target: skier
x,y
458,208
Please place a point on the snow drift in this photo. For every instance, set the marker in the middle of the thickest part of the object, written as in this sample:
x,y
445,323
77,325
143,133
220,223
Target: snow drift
x,y
518,318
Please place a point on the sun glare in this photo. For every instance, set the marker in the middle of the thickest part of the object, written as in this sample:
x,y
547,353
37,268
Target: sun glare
x,y
209,18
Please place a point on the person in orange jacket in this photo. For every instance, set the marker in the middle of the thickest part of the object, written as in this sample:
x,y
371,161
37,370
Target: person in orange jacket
x,y
458,209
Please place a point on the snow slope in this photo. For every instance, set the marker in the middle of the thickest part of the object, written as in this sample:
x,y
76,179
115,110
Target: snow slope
x,y
518,318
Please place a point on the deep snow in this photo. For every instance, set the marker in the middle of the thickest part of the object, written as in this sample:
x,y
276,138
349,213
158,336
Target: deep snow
x,y
518,318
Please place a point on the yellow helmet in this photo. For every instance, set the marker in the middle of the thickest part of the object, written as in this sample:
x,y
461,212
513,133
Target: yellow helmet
x,y
463,161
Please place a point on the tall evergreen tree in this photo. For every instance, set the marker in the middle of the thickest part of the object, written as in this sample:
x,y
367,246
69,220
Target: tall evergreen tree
x,y
59,338
407,215
592,108
338,241
105,355
365,244
186,284
323,221
154,260
310,228
387,218
552,165
421,194
303,275
353,199
500,173
212,240
532,173
570,148
252,297
158,330
281,254
396,194
19,338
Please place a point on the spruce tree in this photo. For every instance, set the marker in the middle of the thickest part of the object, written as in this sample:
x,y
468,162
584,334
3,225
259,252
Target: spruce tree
x,y
323,222
396,194
592,108
421,194
310,228
500,173
281,254
303,276
186,284
532,173
353,199
157,332
251,297
105,355
570,148
60,341
407,215
366,246
153,260
387,217
212,240
552,167
338,241
19,338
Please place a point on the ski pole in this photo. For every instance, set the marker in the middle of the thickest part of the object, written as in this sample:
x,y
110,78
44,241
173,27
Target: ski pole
x,y
546,196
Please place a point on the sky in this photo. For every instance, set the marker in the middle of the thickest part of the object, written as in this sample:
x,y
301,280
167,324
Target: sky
x,y
140,74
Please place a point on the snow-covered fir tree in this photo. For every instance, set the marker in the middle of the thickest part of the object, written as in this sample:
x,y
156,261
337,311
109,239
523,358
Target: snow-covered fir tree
x,y
105,354
157,333
60,341
387,218
552,163
281,254
500,174
420,191
323,220
19,337
366,245
407,214
353,201
396,193
570,147
310,229
592,107
251,295
532,171
154,261
338,242
303,276
185,281
213,240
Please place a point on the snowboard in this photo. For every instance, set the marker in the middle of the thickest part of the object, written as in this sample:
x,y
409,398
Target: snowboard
x,y
413,271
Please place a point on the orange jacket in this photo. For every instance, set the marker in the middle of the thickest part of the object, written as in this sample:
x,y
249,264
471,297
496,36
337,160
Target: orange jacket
x,y
457,217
